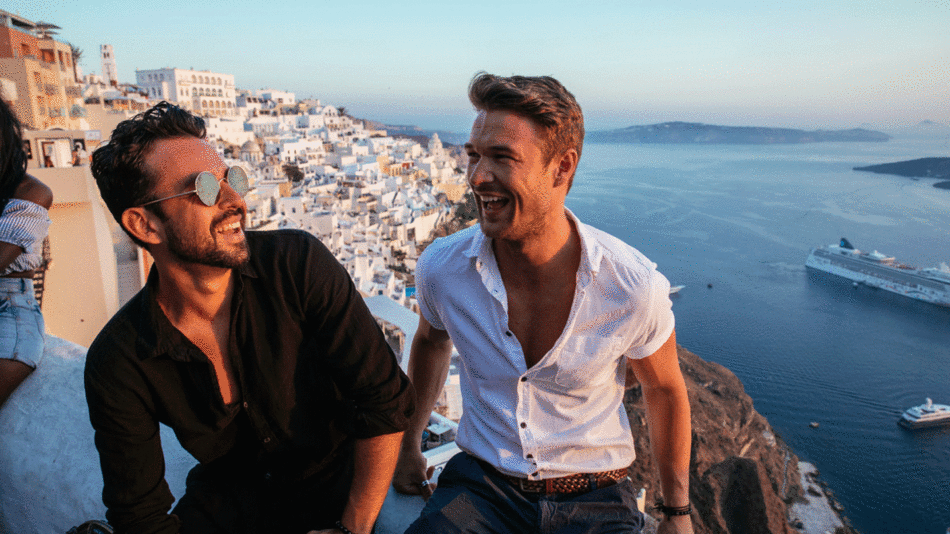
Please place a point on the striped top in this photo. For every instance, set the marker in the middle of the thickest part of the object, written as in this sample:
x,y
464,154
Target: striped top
x,y
25,224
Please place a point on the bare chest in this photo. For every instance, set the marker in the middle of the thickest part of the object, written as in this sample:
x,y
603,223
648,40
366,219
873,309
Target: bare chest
x,y
538,317
212,340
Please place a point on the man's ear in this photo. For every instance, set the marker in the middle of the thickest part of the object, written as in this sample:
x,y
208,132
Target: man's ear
x,y
144,225
566,165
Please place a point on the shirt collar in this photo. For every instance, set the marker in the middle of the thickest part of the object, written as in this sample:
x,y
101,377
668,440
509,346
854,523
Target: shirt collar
x,y
591,250
157,335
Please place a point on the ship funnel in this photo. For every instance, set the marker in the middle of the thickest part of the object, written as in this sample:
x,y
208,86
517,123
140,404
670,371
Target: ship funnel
x,y
846,244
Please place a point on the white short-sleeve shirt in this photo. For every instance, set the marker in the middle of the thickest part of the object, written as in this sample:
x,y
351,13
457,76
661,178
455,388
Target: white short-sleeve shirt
x,y
565,414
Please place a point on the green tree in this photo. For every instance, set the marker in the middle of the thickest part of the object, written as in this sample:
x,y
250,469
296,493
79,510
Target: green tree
x,y
293,172
77,55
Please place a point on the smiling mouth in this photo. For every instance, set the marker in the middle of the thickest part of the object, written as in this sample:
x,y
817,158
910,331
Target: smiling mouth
x,y
492,204
230,229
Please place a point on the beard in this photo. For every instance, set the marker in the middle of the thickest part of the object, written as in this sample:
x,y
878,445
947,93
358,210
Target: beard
x,y
192,247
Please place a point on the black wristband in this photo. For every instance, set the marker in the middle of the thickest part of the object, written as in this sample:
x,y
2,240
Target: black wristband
x,y
670,511
341,528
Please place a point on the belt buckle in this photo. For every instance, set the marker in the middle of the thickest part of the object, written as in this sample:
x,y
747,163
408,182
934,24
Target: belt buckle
x,y
521,485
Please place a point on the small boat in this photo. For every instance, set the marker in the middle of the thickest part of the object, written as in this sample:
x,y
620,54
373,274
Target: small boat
x,y
925,415
675,289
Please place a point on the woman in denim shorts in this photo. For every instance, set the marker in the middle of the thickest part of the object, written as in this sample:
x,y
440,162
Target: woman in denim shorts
x,y
24,223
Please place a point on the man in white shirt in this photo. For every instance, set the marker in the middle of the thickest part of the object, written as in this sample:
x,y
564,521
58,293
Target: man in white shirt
x,y
549,317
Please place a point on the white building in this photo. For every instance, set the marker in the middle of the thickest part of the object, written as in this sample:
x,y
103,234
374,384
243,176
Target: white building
x,y
248,104
200,91
276,98
110,73
230,130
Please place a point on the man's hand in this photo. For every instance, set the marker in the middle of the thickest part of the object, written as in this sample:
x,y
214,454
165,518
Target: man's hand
x,y
677,524
412,476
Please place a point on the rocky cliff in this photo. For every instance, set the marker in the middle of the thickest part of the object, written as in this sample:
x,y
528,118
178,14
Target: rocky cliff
x,y
743,478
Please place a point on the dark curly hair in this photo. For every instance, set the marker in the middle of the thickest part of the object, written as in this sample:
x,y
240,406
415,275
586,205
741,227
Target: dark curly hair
x,y
12,155
540,98
119,165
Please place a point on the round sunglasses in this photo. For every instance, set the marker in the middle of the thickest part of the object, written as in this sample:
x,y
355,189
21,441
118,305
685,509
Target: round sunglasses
x,y
208,186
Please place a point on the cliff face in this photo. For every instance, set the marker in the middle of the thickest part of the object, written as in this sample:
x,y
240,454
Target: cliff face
x,y
742,476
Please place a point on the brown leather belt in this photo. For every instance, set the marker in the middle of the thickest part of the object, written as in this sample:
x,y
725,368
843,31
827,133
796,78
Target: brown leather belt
x,y
576,483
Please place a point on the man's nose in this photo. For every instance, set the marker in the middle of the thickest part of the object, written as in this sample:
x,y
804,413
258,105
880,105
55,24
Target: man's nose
x,y
480,173
227,196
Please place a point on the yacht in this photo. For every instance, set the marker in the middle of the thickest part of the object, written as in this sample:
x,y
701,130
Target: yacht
x,y
926,415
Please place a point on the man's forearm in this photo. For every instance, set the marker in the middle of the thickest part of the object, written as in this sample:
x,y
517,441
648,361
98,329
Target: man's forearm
x,y
375,460
670,440
428,369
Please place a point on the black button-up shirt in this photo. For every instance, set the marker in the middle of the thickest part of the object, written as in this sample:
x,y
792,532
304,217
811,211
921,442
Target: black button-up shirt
x,y
312,367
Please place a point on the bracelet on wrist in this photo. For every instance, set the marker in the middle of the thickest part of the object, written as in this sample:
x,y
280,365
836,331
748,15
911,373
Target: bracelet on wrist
x,y
343,529
671,511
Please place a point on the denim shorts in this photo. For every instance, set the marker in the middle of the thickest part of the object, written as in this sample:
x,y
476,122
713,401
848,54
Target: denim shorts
x,y
22,330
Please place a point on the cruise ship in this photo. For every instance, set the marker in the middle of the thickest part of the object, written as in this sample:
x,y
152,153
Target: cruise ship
x,y
926,415
877,270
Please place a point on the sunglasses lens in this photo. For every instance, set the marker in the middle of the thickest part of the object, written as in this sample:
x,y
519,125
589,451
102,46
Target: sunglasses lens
x,y
207,188
237,179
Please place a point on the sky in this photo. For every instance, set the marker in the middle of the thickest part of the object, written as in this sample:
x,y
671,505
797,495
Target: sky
x,y
795,63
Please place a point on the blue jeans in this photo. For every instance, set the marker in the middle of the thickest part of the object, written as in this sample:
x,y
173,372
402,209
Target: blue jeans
x,y
22,329
472,498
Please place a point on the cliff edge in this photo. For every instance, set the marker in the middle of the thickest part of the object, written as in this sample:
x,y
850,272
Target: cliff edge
x,y
743,477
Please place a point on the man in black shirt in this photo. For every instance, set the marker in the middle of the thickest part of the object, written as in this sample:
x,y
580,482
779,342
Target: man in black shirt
x,y
255,348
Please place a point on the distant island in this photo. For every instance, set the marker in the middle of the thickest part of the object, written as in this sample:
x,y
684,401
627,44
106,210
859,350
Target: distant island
x,y
709,134
916,168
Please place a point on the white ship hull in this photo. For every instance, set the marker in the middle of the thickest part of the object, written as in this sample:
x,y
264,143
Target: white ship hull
x,y
925,416
870,270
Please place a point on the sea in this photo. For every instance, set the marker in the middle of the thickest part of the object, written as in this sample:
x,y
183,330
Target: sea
x,y
734,224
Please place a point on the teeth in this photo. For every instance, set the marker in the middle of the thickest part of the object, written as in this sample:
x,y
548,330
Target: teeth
x,y
233,226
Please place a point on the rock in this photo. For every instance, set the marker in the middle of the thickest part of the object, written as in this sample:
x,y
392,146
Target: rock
x,y
742,475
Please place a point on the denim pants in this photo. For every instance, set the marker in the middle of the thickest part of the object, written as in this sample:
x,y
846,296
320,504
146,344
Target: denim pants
x,y
472,498
22,329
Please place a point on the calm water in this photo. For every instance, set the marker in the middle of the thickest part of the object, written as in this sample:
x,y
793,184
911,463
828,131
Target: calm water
x,y
808,347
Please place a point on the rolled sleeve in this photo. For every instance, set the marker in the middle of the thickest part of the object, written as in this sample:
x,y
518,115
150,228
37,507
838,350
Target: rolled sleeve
x,y
361,362
23,224
424,288
656,318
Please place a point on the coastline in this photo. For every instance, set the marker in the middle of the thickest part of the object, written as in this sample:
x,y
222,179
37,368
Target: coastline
x,y
820,513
